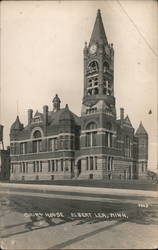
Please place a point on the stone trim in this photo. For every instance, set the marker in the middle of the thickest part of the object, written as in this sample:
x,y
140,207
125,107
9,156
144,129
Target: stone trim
x,y
43,137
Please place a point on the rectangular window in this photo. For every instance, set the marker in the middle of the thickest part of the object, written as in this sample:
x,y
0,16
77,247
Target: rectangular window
x,y
72,162
94,138
91,163
56,165
66,144
23,167
35,147
66,165
112,163
52,165
72,143
25,147
108,163
95,162
61,164
34,168
55,144
106,139
88,139
21,148
86,163
37,166
61,142
26,166
51,145
110,140
40,166
40,146
48,166
20,165
12,167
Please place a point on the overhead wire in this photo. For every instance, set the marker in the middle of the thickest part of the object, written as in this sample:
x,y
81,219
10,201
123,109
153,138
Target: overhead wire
x,y
136,27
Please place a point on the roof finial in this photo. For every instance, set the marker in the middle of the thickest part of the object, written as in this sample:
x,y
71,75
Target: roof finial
x,y
66,106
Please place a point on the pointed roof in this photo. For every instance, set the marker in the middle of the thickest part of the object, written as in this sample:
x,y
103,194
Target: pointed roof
x,y
17,125
127,121
66,114
38,114
141,130
98,34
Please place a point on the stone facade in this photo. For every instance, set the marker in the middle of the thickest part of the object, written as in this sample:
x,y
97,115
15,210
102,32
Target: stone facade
x,y
58,144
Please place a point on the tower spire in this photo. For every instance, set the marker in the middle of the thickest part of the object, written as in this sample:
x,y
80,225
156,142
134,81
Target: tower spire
x,y
98,33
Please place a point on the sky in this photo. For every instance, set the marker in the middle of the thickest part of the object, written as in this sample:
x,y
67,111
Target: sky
x,y
42,54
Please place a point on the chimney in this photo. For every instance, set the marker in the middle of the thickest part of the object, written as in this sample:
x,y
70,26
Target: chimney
x,y
121,113
1,132
45,113
30,113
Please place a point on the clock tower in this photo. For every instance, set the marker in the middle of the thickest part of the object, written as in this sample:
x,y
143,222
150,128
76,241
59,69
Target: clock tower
x,y
98,114
99,69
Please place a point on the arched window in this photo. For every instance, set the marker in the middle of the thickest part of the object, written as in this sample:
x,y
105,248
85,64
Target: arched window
x,y
37,134
91,125
105,67
93,67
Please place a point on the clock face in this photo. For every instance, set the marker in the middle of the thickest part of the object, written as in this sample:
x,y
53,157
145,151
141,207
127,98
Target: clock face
x,y
93,49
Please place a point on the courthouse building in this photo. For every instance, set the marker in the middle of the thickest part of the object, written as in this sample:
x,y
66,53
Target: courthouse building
x,y
57,144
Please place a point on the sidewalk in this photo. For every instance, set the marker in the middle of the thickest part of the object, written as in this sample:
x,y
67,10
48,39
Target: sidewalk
x,y
77,189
